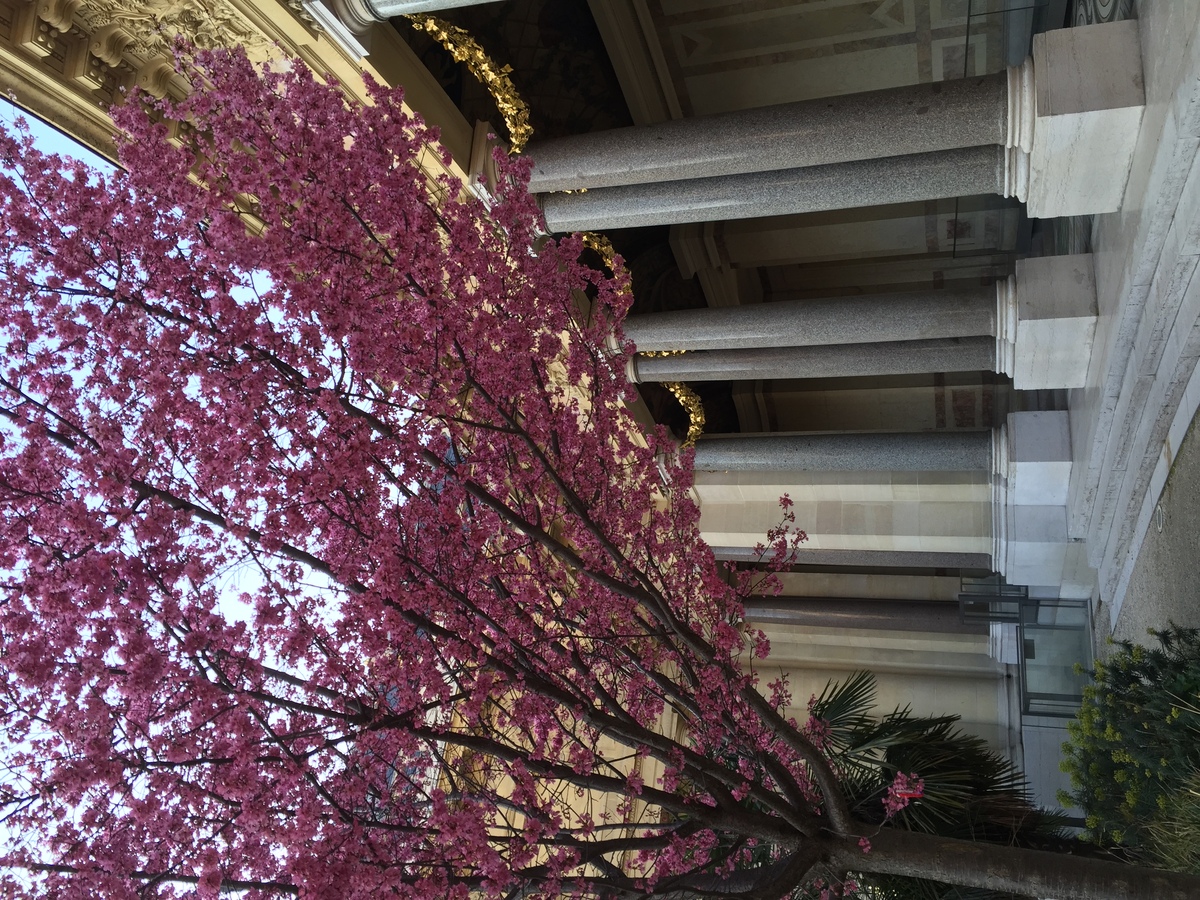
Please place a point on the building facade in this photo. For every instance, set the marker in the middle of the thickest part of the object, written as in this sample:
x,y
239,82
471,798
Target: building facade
x,y
926,263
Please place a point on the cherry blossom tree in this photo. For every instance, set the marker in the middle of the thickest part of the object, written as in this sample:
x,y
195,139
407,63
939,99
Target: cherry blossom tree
x,y
334,565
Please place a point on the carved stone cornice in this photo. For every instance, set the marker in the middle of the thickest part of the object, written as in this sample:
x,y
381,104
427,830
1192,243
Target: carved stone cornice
x,y
150,26
69,60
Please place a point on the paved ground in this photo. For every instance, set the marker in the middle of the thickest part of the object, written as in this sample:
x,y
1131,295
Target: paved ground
x,y
1165,586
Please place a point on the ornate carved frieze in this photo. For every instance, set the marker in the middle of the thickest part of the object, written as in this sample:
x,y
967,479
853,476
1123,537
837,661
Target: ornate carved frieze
x,y
68,61
151,25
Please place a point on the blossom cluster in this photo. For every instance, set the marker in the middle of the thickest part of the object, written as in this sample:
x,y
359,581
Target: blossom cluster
x,y
902,791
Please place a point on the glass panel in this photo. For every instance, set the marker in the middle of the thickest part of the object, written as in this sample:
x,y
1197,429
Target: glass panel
x,y
989,599
1054,640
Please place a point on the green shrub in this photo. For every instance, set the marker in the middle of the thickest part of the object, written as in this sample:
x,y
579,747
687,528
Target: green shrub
x,y
1134,746
1173,837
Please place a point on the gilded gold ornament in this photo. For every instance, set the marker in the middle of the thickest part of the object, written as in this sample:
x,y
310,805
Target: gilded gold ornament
x,y
686,396
695,409
466,49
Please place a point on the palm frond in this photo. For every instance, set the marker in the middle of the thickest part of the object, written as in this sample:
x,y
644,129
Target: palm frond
x,y
845,706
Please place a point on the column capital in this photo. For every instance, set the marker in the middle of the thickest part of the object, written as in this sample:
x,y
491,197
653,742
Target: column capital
x,y
1046,322
1088,100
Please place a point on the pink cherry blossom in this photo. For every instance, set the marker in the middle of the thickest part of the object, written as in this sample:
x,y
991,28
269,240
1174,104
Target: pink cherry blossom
x,y
334,564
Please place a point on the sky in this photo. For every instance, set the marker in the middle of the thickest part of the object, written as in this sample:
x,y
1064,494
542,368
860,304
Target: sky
x,y
50,140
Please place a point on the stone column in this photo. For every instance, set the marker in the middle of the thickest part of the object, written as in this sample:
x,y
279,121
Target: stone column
x,y
1066,131
934,451
918,315
892,559
360,15
918,118
865,499
1037,326
927,617
873,182
966,354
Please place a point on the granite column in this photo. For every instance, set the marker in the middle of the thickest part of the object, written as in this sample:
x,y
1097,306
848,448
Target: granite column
x,y
915,315
872,182
934,451
964,354
920,118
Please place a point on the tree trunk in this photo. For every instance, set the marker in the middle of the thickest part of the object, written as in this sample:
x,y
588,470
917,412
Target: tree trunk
x,y
1034,873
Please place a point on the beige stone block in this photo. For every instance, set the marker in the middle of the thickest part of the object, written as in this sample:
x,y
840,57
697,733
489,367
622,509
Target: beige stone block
x,y
719,493
854,518
948,518
829,516
878,542
906,519
879,518
908,542
905,486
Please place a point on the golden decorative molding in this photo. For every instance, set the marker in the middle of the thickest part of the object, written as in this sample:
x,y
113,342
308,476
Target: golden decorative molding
x,y
695,409
466,49
685,395
603,247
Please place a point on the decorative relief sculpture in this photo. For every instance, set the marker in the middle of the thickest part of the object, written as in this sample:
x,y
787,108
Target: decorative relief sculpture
x,y
153,24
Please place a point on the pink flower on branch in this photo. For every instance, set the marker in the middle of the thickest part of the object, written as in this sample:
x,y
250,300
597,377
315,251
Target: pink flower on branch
x,y
478,646
902,791
278,349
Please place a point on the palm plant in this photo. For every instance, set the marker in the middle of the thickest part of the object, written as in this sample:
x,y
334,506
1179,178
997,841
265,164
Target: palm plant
x,y
969,792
